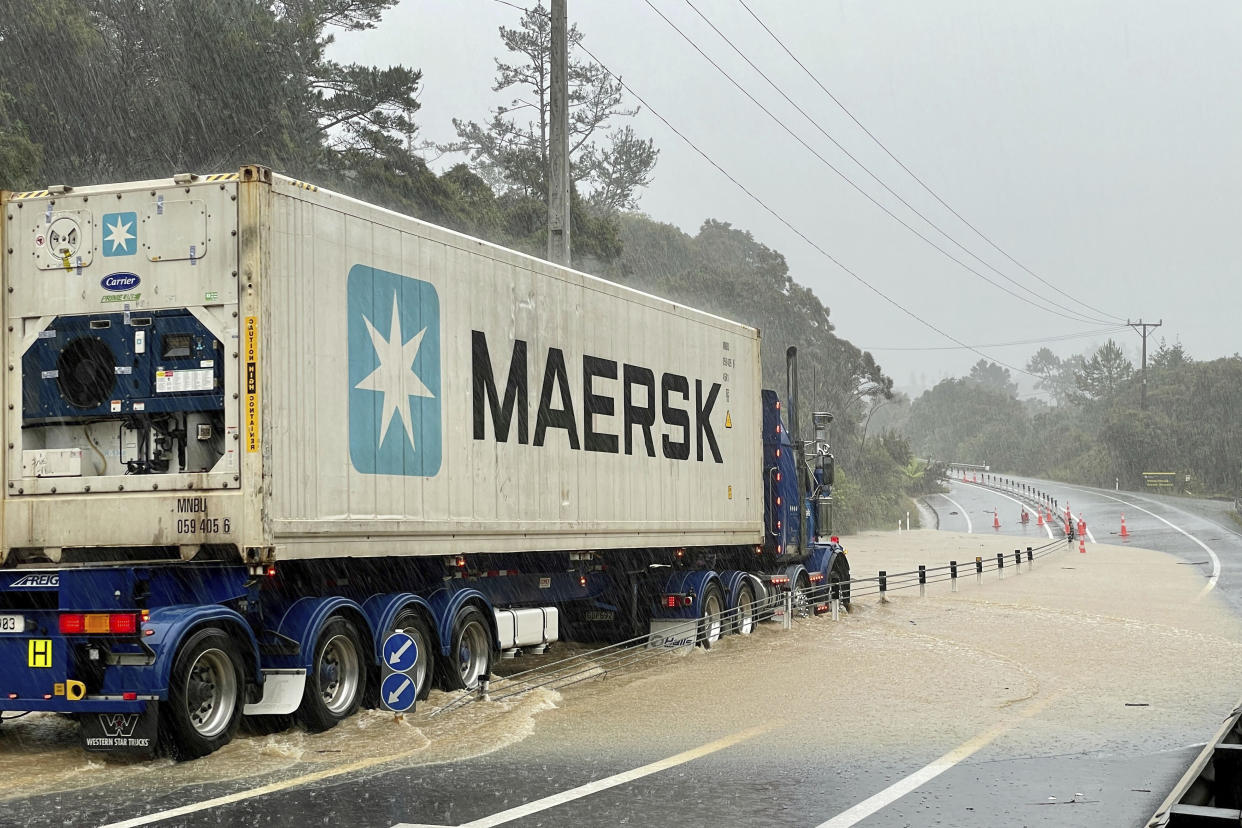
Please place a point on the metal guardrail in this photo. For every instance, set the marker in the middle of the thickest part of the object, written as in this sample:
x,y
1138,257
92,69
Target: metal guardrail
x,y
1210,792
784,606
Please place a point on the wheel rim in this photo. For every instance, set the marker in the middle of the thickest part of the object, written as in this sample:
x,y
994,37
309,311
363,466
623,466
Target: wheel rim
x,y
339,674
211,693
745,613
417,673
711,617
801,598
472,653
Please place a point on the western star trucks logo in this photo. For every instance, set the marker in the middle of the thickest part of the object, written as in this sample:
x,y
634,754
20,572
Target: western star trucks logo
x,y
394,374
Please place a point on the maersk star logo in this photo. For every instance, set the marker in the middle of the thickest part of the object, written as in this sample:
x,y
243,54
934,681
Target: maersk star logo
x,y
120,234
394,374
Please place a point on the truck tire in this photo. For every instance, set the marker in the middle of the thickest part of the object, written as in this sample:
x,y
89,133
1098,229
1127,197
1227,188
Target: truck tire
x,y
415,626
338,676
711,623
744,613
763,602
470,651
840,574
204,694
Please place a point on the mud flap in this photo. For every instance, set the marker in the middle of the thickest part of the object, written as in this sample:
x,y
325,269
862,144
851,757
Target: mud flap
x,y
678,634
132,734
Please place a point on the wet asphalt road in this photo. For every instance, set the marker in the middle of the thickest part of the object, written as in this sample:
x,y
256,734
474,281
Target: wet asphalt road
x,y
802,772
1153,521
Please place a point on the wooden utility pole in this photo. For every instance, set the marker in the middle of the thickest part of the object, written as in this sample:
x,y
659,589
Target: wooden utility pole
x,y
558,150
1142,327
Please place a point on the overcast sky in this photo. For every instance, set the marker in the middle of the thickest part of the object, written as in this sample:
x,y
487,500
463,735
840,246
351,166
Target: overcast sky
x,y
1094,141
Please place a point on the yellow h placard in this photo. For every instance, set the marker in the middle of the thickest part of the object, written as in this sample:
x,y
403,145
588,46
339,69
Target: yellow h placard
x,y
40,652
252,384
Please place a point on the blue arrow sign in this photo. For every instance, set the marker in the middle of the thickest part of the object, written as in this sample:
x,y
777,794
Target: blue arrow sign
x,y
397,692
400,652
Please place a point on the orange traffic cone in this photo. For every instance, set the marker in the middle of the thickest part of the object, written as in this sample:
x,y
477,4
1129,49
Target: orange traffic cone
x,y
995,519
1040,522
1082,545
1124,533
1082,525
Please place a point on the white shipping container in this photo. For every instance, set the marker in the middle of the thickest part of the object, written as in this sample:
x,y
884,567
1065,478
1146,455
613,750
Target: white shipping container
x,y
388,386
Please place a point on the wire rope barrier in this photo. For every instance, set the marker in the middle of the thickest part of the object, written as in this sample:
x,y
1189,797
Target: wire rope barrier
x,y
788,606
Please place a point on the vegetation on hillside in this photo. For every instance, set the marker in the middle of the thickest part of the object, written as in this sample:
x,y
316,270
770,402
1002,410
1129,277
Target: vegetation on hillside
x,y
1095,430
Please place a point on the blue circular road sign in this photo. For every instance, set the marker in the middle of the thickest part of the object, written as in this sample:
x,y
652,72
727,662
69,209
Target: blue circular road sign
x,y
400,652
397,692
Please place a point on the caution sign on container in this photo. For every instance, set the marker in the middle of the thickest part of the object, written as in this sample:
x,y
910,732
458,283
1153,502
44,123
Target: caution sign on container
x,y
252,383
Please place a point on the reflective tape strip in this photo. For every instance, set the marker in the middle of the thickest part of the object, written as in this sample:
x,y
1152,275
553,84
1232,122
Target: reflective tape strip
x,y
32,194
223,177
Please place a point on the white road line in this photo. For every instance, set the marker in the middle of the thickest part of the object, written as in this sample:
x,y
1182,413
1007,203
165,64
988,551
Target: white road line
x,y
922,776
263,790
605,783
511,814
970,528
1213,578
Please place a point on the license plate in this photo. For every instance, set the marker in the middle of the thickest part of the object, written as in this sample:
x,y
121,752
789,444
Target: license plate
x,y
12,623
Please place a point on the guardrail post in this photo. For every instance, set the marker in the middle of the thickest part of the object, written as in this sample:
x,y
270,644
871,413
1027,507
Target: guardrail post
x,y
1000,565
883,587
1017,560
953,576
787,621
922,581
978,570
1030,558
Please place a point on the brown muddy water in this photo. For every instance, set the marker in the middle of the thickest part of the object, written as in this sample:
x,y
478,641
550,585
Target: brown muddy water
x,y
1121,643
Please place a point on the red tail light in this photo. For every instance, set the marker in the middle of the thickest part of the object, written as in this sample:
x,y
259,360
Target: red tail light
x,y
99,623
670,601
72,623
687,600
122,624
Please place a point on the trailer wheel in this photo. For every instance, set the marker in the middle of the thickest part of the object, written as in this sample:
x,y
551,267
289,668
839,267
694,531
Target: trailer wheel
x,y
711,627
744,612
337,679
840,575
204,694
470,651
763,601
415,626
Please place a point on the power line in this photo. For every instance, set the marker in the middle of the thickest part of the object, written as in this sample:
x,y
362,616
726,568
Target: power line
x,y
911,173
1040,303
780,218
864,168
1037,341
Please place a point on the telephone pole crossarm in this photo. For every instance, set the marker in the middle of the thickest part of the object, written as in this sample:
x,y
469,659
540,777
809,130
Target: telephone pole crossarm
x,y
1142,329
